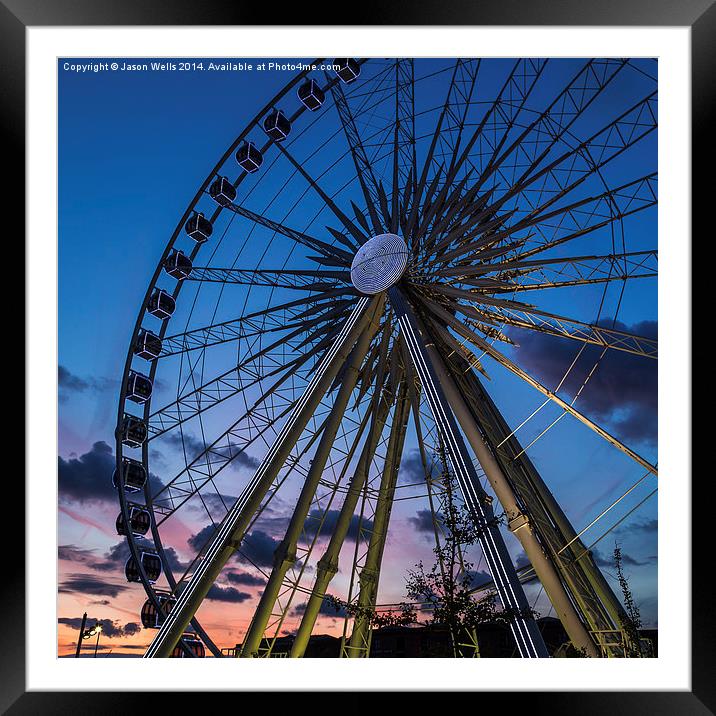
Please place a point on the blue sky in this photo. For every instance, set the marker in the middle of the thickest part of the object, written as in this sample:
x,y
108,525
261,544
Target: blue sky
x,y
134,147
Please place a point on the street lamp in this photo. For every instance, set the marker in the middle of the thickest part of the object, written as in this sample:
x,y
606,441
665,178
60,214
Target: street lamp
x,y
88,633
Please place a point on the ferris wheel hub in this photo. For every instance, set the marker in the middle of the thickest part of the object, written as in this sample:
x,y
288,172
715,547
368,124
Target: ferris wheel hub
x,y
379,263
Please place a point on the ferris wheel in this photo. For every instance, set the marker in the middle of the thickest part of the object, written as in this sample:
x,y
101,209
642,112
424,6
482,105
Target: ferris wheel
x,y
355,270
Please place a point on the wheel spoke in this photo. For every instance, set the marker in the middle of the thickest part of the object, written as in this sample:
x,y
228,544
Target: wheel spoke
x,y
528,317
512,367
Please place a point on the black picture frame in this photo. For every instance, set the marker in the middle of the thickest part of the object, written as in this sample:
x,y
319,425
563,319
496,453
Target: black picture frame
x,y
699,15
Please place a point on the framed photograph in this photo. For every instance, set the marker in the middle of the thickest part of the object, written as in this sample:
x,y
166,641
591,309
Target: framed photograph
x,y
343,344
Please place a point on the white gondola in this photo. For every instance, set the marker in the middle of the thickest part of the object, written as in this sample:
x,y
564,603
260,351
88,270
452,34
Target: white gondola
x,y
153,618
194,644
139,521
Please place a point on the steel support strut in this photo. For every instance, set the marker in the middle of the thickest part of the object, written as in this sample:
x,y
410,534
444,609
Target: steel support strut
x,y
285,555
359,644
598,604
524,628
518,522
233,527
327,566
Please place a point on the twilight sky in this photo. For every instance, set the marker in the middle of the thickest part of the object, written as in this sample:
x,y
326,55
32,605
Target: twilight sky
x,y
133,148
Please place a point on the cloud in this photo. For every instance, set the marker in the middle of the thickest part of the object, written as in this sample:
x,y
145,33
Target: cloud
x,y
118,554
645,526
70,384
628,560
90,584
257,547
172,558
194,446
132,628
110,629
198,540
478,578
71,553
327,609
411,468
249,580
226,594
423,521
88,478
622,392
329,524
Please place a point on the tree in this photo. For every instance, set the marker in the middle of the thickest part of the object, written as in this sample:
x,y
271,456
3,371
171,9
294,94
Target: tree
x,y
631,622
446,587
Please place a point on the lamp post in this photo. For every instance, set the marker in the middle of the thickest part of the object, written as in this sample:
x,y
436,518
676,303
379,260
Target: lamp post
x,y
80,637
98,627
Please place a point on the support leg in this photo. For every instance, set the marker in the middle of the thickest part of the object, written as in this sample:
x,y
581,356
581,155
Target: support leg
x,y
359,644
232,528
524,628
285,555
328,564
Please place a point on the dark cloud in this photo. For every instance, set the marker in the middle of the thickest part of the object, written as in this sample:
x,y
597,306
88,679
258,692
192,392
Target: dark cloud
x,y
218,504
175,564
194,446
118,554
329,524
132,628
257,547
327,609
411,468
646,526
88,478
69,384
198,540
227,594
477,578
90,584
423,520
71,553
622,392
628,560
110,629
249,580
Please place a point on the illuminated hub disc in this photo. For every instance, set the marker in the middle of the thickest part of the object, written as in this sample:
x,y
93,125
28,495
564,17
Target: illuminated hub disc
x,y
379,263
